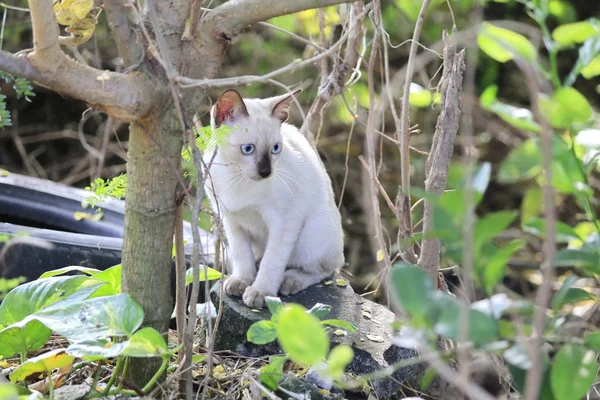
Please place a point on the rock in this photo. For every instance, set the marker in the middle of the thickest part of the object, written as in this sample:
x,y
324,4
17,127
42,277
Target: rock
x,y
371,342
79,392
304,388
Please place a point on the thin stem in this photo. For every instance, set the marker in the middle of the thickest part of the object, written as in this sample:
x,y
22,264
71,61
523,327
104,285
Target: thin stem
x,y
156,376
115,374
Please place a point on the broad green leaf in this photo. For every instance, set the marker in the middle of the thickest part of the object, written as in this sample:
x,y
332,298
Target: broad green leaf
x,y
10,391
577,295
100,317
212,275
34,296
262,332
412,286
573,372
112,277
96,349
320,310
271,374
339,323
532,204
482,327
23,337
488,96
576,32
493,268
519,117
522,163
536,227
588,61
339,358
42,364
592,69
565,107
558,298
147,342
503,45
274,304
74,268
592,340
491,225
301,336
585,258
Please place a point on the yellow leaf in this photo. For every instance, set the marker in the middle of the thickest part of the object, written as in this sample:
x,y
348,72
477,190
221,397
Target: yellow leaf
x,y
79,215
70,11
379,255
4,172
341,282
43,363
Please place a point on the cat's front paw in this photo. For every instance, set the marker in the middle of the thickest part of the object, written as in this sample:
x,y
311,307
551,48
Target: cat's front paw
x,y
293,282
255,298
235,286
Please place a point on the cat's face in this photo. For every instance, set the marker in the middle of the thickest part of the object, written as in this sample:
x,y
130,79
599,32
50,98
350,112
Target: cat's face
x,y
255,141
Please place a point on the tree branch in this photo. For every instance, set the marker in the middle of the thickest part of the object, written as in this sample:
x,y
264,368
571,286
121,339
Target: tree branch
x,y
121,16
436,167
124,97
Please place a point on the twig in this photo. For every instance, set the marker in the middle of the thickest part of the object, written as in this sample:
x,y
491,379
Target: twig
x,y
534,375
190,29
180,294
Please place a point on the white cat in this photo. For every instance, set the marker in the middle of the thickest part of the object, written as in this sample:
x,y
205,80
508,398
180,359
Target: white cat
x,y
275,199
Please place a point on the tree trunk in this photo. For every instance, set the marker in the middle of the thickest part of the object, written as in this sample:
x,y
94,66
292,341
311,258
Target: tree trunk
x,y
152,171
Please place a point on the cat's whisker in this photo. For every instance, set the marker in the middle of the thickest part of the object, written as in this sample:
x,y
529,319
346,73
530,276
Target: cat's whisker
x,y
280,177
242,176
287,174
231,183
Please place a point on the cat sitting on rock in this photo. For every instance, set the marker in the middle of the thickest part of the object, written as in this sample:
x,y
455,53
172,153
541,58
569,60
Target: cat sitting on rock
x,y
275,200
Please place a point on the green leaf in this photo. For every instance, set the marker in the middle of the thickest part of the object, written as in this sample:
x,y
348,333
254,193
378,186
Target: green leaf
x,y
532,204
584,258
9,391
271,374
100,317
412,286
339,323
112,277
565,107
536,227
592,340
522,163
519,117
503,45
301,336
320,310
23,337
34,296
573,372
75,268
212,275
262,332
588,61
492,225
147,342
576,32
559,297
44,363
488,96
339,358
96,349
482,327
495,265
274,304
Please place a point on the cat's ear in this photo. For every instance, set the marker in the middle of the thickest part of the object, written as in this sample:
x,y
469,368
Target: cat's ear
x,y
281,109
229,106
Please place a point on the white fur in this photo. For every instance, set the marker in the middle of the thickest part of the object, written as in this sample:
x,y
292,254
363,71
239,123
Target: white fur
x,y
288,222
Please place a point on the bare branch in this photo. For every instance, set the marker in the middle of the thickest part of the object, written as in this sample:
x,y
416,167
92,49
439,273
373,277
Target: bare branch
x,y
190,29
17,66
122,16
535,373
333,83
436,168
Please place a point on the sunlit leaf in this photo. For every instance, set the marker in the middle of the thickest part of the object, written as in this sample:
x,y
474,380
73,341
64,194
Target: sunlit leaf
x,y
70,11
576,32
96,349
320,310
147,342
565,107
212,275
503,45
338,359
588,61
74,268
419,96
112,277
339,323
44,363
23,337
301,336
100,317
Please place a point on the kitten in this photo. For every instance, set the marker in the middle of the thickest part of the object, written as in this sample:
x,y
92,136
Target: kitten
x,y
275,198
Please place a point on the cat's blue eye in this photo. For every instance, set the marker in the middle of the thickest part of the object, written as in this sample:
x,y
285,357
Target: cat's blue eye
x,y
276,148
247,149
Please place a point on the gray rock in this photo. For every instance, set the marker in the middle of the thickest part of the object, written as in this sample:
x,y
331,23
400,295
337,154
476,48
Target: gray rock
x,y
304,388
371,342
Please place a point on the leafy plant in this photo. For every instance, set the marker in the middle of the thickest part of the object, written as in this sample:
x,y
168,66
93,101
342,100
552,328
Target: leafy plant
x,y
302,337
